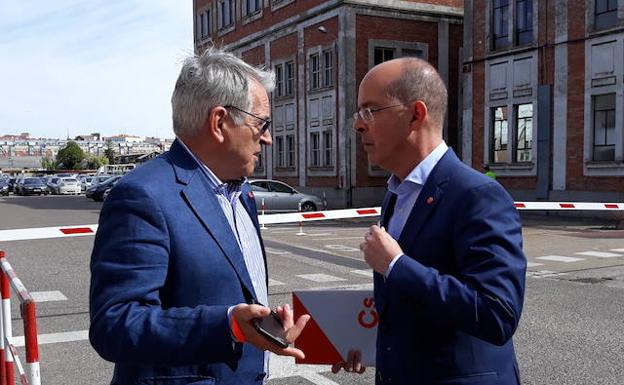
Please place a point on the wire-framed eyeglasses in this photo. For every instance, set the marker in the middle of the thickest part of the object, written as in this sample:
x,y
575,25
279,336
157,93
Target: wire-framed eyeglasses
x,y
266,122
367,113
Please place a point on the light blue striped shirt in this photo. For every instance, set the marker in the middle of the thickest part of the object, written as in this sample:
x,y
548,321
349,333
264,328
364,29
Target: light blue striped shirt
x,y
407,191
228,195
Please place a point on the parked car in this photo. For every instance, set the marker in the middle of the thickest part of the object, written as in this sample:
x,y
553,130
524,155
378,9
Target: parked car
x,y
12,182
30,186
69,186
53,185
4,187
85,182
96,192
278,196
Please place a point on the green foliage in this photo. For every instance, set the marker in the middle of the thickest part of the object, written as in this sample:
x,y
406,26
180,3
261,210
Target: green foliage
x,y
48,163
70,156
109,153
94,162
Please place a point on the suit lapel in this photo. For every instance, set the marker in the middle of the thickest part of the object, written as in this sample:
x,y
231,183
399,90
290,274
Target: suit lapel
x,y
202,200
429,197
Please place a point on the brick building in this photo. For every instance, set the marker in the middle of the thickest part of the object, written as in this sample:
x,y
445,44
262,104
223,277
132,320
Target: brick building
x,y
543,96
320,50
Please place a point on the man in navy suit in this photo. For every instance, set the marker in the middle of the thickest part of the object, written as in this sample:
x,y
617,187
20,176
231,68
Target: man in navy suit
x,y
178,266
449,271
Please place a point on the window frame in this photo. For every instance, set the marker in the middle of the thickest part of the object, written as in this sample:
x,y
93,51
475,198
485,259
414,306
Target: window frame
x,y
611,110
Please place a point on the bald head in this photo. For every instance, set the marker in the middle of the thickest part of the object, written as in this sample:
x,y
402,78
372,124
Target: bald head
x,y
408,79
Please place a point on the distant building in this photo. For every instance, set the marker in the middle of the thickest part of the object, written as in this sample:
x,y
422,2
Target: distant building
x,y
543,104
320,50
123,138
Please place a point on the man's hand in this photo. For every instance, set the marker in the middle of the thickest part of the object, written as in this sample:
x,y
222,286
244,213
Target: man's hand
x,y
353,364
379,249
244,314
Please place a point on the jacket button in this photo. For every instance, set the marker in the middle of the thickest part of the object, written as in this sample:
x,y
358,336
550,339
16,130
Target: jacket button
x,y
388,348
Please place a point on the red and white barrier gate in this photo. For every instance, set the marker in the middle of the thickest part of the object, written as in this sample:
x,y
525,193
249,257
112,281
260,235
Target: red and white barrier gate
x,y
8,353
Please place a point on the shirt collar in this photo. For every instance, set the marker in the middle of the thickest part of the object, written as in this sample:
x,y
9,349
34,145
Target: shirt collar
x,y
418,176
224,188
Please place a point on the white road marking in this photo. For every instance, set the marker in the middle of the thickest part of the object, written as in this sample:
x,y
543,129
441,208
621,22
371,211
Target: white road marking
x,y
618,250
342,248
53,338
320,277
599,254
533,264
320,234
544,274
47,296
276,251
273,282
281,367
366,273
560,258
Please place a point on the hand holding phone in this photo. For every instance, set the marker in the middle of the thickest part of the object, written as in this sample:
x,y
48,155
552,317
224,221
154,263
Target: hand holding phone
x,y
271,328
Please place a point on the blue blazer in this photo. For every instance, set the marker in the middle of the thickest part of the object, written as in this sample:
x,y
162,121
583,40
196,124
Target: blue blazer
x,y
451,304
164,270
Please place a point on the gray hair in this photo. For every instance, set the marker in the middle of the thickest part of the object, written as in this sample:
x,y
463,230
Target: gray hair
x,y
420,81
214,78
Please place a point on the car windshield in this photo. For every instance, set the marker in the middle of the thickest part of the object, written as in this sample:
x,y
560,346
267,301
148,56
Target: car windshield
x,y
70,180
32,181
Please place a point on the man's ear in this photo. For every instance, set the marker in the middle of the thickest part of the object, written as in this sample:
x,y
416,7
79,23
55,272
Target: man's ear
x,y
215,124
419,111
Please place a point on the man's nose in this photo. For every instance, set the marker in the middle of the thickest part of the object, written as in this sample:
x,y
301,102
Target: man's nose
x,y
359,125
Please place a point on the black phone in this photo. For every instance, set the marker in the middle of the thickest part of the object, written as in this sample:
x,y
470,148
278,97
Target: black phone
x,y
271,328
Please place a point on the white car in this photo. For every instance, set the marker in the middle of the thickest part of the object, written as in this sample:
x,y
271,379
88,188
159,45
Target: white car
x,y
69,186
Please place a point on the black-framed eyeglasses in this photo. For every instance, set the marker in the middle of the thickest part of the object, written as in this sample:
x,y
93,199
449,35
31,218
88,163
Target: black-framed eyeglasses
x,y
265,125
367,113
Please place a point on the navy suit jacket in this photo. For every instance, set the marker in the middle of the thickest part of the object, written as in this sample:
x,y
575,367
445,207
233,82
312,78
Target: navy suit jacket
x,y
164,270
451,304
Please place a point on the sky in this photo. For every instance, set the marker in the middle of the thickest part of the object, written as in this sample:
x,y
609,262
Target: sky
x,y
72,67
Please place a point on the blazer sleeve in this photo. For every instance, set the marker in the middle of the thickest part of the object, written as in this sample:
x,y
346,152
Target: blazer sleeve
x,y
484,298
129,266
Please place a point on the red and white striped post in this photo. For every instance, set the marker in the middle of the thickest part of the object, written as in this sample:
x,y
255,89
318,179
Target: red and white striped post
x,y
7,328
28,312
3,353
300,224
262,226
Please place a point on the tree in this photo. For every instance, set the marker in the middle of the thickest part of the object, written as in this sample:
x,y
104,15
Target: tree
x,y
110,152
48,163
94,162
70,156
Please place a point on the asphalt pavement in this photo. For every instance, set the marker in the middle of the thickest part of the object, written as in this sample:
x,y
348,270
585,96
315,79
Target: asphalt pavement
x,y
571,332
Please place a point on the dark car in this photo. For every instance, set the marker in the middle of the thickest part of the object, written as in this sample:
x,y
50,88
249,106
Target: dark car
x,y
31,186
4,187
12,184
98,191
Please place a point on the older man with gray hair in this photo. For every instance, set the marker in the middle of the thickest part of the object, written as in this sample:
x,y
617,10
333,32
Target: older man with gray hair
x,y
178,269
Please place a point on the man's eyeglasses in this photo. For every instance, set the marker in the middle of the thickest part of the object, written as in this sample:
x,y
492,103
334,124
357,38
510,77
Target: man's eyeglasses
x,y
367,113
265,125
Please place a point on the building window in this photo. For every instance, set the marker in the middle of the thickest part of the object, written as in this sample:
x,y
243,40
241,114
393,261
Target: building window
x,y
279,80
290,150
252,6
524,22
290,78
327,68
500,24
315,149
279,147
315,72
498,153
604,127
605,12
383,54
328,150
226,13
204,24
524,132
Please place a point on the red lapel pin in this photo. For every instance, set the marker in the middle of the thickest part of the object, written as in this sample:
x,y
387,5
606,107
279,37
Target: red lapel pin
x,y
429,200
